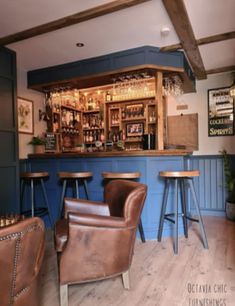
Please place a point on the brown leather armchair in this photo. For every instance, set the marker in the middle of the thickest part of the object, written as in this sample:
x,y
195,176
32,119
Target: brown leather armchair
x,y
96,240
21,254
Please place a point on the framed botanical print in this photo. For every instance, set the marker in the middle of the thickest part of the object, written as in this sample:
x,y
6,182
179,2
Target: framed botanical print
x,y
25,116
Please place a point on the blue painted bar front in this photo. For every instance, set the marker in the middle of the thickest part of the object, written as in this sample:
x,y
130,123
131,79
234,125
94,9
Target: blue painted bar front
x,y
149,166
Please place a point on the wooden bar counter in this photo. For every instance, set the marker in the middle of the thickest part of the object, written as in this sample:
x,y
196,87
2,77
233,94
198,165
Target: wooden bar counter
x,y
176,152
148,162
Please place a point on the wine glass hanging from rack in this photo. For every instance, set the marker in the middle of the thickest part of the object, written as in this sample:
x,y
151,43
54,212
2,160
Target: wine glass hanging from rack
x,y
62,96
133,86
172,86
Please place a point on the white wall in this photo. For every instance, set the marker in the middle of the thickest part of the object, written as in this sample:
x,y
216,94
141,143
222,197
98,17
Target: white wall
x,y
38,99
198,103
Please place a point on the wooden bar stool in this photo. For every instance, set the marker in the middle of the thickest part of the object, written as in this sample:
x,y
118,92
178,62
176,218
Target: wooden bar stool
x,y
180,177
33,178
129,176
74,177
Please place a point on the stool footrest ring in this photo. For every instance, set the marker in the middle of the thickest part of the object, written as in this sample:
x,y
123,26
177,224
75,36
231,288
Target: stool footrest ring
x,y
166,217
38,211
192,219
169,219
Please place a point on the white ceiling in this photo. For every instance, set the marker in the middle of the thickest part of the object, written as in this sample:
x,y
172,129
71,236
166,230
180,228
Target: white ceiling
x,y
132,27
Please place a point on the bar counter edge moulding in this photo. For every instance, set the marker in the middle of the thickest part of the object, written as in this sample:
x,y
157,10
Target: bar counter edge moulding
x,y
220,112
25,115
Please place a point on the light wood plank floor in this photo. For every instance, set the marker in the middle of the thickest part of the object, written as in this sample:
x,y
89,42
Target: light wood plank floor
x,y
194,277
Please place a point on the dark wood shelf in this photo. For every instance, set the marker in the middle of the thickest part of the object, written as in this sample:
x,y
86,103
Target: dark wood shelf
x,y
70,108
91,111
92,129
134,119
131,100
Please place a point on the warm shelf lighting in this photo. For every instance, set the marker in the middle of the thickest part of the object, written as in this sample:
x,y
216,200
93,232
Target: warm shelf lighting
x,y
232,88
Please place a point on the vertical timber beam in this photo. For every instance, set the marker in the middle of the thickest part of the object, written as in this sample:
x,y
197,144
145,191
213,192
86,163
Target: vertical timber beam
x,y
159,143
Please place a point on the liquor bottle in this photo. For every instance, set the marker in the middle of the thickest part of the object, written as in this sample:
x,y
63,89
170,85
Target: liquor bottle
x,y
90,104
123,135
90,137
102,136
95,136
123,113
114,137
112,119
110,135
108,96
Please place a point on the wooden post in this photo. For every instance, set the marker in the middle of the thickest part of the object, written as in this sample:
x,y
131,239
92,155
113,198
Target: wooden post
x,y
159,144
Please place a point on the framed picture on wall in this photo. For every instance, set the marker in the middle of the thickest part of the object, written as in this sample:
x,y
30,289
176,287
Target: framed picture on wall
x,y
220,112
25,116
134,129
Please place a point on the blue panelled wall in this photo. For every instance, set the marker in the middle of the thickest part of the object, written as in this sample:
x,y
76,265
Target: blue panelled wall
x,y
209,186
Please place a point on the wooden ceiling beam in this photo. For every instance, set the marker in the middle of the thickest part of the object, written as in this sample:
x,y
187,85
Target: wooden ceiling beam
x,y
203,41
85,15
177,12
221,69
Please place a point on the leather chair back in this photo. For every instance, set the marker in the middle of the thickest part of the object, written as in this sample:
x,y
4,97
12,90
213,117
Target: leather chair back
x,y
21,254
125,199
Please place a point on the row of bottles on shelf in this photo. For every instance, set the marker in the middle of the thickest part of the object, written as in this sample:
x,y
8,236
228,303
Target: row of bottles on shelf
x,y
117,135
66,130
70,118
128,112
92,136
92,121
115,120
131,112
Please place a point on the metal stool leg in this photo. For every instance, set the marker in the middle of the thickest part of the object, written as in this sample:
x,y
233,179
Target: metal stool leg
x,y
32,197
183,205
86,188
46,201
62,198
203,233
163,209
176,217
141,231
76,187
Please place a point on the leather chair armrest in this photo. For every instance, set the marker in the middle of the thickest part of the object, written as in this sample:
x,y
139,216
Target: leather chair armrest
x,y
96,221
86,207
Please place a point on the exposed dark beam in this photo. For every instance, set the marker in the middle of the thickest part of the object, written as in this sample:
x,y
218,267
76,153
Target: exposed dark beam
x,y
221,69
70,20
180,20
203,41
216,38
171,48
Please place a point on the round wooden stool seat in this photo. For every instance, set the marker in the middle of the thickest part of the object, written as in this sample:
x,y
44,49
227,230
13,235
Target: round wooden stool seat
x,y
173,174
32,175
121,175
74,175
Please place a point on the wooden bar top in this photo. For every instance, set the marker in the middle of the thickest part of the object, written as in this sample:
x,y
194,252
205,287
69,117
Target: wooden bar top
x,y
144,153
